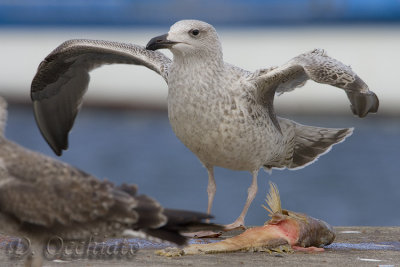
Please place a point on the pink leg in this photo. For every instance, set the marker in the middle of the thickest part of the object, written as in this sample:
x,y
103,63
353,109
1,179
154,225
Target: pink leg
x,y
211,188
251,194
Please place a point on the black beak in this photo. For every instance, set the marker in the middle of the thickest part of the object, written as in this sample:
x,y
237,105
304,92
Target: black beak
x,y
159,42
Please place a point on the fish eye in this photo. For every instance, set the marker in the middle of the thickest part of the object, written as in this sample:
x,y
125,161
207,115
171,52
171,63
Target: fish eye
x,y
194,32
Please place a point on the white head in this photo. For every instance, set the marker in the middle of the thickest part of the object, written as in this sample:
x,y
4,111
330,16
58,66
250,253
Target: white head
x,y
188,38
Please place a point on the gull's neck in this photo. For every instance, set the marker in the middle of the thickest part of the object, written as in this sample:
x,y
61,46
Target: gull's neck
x,y
201,59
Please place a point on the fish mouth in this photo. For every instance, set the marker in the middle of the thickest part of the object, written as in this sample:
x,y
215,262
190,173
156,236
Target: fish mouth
x,y
160,42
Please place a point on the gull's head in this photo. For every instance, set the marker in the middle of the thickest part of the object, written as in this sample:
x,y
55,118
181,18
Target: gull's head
x,y
188,37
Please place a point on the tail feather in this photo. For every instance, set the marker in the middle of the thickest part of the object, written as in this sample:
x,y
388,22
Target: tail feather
x,y
157,223
182,221
189,221
312,142
168,235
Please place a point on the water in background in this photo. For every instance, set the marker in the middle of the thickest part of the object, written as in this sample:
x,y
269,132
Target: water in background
x,y
357,183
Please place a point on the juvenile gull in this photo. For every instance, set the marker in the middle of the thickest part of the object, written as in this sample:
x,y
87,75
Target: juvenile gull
x,y
41,198
222,113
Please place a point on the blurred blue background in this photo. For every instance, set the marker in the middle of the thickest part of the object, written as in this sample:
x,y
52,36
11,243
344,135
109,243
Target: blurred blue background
x,y
159,12
123,133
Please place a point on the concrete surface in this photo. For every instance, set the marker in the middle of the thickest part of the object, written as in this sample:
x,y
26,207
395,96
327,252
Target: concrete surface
x,y
354,246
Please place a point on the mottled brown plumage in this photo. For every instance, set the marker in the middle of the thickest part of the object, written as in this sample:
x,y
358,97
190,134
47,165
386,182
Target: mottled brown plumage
x,y
41,197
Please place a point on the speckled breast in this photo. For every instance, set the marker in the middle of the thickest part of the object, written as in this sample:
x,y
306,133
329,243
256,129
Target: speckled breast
x,y
215,126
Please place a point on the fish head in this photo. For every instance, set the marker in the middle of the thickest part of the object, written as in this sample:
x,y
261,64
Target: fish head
x,y
303,230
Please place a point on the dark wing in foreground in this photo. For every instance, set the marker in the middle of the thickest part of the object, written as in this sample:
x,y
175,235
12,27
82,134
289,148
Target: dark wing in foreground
x,y
62,79
319,67
67,202
39,190
46,197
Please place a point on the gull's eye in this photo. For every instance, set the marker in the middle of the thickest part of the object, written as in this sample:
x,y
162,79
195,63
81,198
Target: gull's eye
x,y
194,32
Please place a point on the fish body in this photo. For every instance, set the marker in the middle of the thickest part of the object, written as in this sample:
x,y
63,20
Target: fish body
x,y
285,231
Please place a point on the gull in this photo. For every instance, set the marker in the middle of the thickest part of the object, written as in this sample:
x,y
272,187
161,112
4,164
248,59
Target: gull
x,y
222,113
42,198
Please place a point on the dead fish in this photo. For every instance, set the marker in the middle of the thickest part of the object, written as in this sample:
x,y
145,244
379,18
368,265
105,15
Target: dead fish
x,y
286,231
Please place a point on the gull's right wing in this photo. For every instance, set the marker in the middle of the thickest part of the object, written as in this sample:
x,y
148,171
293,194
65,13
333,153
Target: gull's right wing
x,y
62,79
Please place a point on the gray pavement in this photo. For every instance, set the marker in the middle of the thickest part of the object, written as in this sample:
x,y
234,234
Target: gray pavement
x,y
354,246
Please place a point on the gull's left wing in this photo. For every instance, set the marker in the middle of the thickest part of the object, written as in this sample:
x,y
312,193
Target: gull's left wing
x,y
319,67
62,79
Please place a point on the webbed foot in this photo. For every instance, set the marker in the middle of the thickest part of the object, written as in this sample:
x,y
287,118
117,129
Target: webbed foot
x,y
234,226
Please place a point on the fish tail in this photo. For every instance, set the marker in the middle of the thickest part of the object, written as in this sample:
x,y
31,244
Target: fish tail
x,y
273,200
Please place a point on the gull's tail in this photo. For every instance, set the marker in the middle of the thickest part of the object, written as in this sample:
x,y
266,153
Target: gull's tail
x,y
311,142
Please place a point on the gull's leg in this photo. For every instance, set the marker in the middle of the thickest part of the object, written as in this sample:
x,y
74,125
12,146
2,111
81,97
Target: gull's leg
x,y
211,189
251,194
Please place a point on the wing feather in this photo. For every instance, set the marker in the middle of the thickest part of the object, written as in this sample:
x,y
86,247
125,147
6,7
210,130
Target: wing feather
x,y
62,79
63,197
319,67
40,190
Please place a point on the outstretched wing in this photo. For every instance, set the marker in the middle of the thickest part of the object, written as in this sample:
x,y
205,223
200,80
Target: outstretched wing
x,y
62,79
319,67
